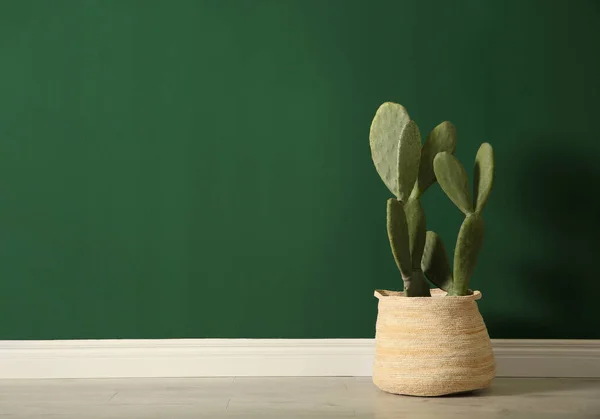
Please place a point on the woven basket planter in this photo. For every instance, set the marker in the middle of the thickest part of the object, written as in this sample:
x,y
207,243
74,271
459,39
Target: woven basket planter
x,y
431,346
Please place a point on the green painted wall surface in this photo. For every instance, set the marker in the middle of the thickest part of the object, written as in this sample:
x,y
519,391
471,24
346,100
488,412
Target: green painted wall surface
x,y
202,168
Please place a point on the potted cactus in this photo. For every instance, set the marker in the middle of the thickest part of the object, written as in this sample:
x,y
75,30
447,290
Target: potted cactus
x,y
430,342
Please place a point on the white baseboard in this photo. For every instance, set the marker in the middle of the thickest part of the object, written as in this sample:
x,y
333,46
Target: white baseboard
x,y
264,357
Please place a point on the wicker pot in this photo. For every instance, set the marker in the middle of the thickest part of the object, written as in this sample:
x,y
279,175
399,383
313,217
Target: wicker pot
x,y
431,346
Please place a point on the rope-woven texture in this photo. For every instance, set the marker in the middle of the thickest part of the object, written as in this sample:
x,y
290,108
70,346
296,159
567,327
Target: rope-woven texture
x,y
431,346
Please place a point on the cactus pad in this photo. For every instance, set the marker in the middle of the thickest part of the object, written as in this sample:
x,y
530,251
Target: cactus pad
x,y
468,245
452,177
398,235
483,176
435,262
415,217
384,138
409,155
441,138
417,285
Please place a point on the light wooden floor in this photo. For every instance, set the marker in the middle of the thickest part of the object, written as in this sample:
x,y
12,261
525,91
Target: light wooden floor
x,y
289,398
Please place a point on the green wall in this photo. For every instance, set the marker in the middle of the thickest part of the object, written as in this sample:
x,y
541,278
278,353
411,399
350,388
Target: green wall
x,y
201,168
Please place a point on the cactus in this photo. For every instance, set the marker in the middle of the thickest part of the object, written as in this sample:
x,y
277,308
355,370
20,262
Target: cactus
x,y
452,177
435,262
394,134
442,138
408,170
389,122
483,176
397,227
453,180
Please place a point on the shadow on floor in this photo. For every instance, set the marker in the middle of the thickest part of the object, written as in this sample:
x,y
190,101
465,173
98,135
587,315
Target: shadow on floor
x,y
503,386
545,386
